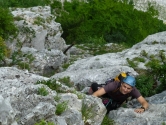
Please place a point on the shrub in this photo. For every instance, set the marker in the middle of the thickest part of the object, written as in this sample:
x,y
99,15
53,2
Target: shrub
x,y
7,26
154,79
3,49
112,20
145,84
23,3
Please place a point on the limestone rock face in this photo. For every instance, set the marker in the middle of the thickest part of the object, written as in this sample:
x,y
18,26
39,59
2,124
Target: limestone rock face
x,y
37,29
45,61
7,113
22,104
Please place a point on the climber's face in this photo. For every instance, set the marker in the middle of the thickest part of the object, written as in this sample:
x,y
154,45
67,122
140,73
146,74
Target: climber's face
x,y
125,88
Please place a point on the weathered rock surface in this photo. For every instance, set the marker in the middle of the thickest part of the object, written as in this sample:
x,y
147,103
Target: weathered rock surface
x,y
38,29
22,104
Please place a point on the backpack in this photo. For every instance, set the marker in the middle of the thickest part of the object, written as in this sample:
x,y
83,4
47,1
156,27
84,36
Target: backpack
x,y
118,78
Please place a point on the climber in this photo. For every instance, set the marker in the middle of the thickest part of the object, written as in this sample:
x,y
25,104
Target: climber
x,y
118,92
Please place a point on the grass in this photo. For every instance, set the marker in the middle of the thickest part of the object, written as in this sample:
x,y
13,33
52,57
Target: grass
x,y
87,112
51,83
144,53
79,95
42,91
66,80
57,98
132,63
43,122
107,121
99,49
61,107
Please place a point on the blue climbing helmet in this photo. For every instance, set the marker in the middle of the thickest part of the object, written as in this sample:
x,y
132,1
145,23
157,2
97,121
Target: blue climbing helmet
x,y
130,81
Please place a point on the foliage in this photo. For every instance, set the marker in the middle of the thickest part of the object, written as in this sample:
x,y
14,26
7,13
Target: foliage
x,y
164,123
87,111
79,94
43,122
99,49
66,65
139,59
39,21
145,84
23,65
3,49
111,20
51,83
154,79
23,3
132,63
157,68
42,91
22,60
66,81
57,98
107,121
56,7
61,107
7,26
144,53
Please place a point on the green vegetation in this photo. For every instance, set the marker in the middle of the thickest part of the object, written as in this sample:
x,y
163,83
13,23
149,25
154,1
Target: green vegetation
x,y
107,121
87,111
106,21
3,50
7,26
66,65
42,91
61,107
57,98
145,84
164,123
23,3
39,21
99,49
152,80
139,59
144,53
66,81
132,63
79,94
43,122
52,84
23,61
157,68
23,65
